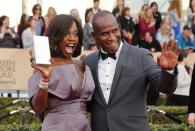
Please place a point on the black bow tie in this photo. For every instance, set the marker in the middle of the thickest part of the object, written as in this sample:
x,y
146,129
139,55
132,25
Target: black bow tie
x,y
104,55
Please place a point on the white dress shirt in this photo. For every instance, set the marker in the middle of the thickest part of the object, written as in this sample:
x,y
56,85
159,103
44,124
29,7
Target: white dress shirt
x,y
106,71
184,81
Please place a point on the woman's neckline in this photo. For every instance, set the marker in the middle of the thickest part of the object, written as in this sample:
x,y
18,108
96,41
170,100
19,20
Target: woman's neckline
x,y
58,61
61,61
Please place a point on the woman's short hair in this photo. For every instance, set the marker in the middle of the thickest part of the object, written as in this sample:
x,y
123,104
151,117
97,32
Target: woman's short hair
x,y
58,28
2,18
125,9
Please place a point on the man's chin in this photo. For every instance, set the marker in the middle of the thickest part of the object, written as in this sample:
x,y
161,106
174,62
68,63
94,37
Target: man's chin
x,y
113,50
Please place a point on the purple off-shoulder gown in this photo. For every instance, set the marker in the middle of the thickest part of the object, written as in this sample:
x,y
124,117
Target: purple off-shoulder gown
x,y
67,98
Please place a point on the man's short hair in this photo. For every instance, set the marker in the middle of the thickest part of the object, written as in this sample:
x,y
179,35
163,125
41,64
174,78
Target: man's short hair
x,y
186,27
99,14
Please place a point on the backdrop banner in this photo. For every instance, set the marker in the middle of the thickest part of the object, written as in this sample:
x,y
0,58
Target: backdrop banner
x,y
15,68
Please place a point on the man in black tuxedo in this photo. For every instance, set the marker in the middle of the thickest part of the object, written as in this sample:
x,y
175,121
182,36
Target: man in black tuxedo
x,y
121,73
191,104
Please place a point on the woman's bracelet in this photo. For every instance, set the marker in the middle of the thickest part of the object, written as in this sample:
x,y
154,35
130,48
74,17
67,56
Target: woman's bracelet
x,y
44,80
44,83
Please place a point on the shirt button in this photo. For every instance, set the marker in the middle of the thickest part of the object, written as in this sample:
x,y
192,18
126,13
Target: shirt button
x,y
108,62
106,75
107,88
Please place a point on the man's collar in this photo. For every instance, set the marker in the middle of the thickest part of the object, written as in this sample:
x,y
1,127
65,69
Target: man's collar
x,y
117,52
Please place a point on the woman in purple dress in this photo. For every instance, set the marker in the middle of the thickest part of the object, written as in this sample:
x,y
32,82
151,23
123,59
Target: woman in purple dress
x,y
61,90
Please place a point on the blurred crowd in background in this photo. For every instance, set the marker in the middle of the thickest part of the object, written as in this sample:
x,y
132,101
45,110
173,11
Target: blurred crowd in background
x,y
148,29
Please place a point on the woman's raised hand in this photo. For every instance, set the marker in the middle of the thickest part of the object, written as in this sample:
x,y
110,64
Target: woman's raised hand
x,y
44,69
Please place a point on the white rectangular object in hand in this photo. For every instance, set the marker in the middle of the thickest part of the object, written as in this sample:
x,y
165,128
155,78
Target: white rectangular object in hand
x,y
41,50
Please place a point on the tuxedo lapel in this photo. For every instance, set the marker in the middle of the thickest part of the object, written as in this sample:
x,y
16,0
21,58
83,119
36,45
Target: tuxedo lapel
x,y
118,69
98,87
